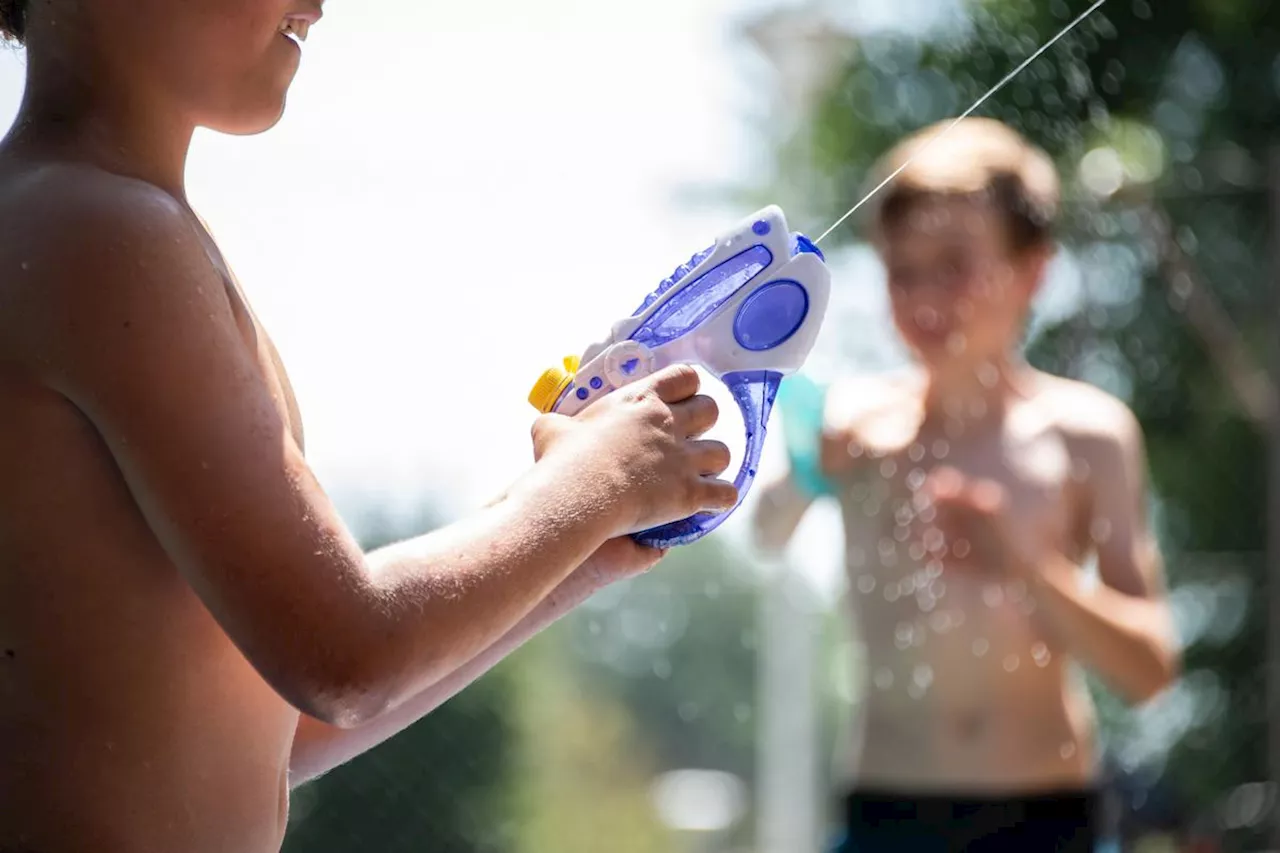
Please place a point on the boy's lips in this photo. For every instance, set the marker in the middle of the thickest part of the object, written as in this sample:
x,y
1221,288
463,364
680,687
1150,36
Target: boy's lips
x,y
296,24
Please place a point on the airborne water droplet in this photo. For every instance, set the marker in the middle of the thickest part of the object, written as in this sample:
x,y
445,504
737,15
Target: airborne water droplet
x,y
883,678
980,647
1040,654
866,584
916,453
1010,663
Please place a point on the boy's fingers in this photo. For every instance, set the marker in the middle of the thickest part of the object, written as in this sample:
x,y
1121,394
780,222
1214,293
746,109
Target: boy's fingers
x,y
695,415
711,457
718,495
675,383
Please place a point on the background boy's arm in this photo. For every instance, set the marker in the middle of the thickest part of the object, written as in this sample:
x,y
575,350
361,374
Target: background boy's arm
x,y
1121,628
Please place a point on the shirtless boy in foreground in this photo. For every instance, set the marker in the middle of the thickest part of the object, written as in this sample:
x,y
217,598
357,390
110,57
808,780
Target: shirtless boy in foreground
x,y
175,587
973,489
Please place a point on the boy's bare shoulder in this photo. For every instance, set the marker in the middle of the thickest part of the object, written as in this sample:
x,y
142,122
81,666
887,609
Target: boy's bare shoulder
x,y
859,399
877,412
1087,414
79,239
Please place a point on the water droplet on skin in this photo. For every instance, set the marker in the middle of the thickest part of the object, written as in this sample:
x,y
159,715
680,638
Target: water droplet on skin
x,y
866,584
883,678
1011,663
916,453
993,595
1040,654
940,449
980,647
916,479
888,468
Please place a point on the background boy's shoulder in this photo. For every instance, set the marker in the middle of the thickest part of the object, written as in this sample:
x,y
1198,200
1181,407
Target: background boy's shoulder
x,y
1088,416
876,412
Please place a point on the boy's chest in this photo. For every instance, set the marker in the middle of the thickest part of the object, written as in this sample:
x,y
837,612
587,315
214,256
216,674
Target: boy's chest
x,y
879,466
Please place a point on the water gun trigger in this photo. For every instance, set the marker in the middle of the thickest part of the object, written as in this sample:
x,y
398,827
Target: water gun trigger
x,y
746,309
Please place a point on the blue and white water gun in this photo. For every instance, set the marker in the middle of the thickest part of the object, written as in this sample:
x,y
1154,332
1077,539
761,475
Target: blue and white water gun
x,y
747,309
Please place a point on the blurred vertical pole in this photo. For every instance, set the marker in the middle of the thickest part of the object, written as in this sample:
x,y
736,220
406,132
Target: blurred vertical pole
x,y
1272,357
786,730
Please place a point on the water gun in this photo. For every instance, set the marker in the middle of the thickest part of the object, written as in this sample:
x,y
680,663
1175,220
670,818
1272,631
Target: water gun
x,y
746,309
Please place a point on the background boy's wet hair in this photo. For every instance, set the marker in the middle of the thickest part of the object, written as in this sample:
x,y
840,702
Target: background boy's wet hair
x,y
981,160
13,14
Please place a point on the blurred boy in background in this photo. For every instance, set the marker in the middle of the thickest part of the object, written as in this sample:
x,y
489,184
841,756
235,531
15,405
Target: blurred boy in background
x,y
973,490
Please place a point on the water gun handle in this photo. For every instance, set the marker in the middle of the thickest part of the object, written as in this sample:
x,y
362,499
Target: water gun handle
x,y
754,391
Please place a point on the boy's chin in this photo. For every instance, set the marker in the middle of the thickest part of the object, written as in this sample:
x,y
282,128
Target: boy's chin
x,y
248,121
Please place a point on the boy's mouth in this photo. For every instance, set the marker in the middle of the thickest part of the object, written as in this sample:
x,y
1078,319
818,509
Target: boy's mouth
x,y
295,29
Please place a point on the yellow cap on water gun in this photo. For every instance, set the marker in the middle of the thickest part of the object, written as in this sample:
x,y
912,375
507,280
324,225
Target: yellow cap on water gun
x,y
551,384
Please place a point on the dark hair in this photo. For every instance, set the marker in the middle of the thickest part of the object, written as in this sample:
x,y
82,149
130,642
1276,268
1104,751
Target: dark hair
x,y
13,19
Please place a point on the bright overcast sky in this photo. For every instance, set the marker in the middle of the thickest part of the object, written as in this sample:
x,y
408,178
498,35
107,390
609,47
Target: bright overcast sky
x,y
458,195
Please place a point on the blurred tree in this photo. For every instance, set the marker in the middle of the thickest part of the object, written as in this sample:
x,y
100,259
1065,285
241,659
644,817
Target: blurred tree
x,y
1153,111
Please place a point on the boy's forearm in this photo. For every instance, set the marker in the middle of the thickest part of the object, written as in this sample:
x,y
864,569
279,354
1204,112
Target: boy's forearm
x,y
1127,640
446,596
779,510
319,748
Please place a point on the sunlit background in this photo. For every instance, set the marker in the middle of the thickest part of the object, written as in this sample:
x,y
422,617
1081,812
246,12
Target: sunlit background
x,y
462,193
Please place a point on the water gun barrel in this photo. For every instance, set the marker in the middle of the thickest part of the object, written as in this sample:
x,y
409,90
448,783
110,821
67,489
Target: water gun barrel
x,y
747,309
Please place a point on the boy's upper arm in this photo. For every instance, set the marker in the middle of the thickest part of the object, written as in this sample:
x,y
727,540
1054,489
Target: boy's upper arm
x,y
126,316
1115,522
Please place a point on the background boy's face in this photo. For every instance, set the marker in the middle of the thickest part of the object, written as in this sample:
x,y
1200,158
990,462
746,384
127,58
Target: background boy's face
x,y
958,294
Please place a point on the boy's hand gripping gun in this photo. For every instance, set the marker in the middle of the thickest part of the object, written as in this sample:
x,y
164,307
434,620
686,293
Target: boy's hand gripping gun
x,y
747,309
